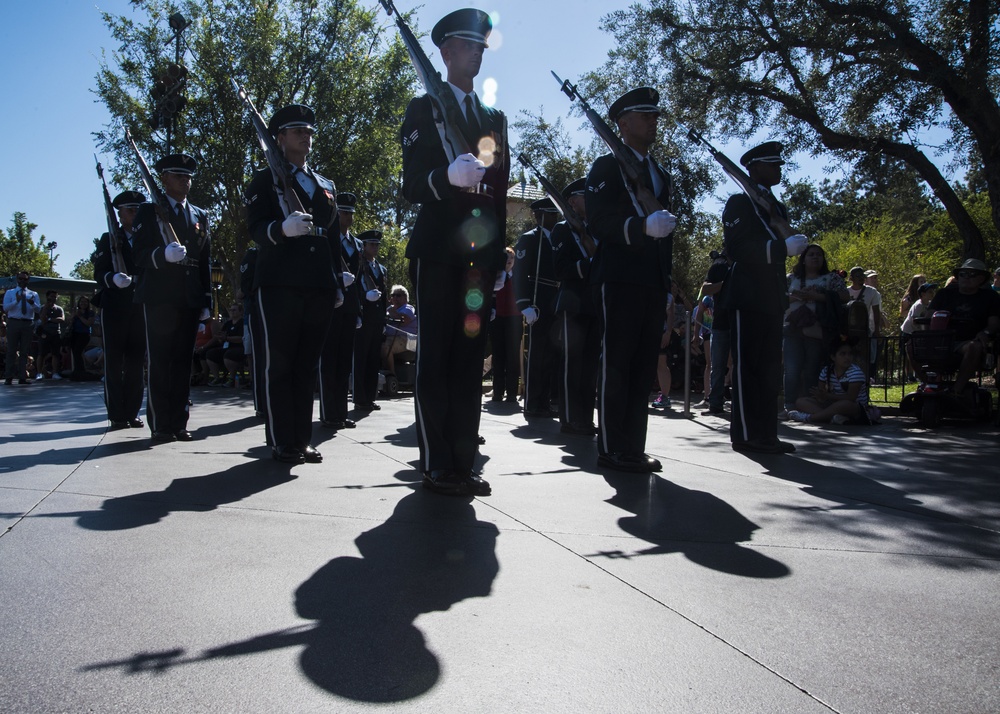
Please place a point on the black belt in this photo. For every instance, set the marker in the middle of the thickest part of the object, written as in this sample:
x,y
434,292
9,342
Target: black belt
x,y
21,319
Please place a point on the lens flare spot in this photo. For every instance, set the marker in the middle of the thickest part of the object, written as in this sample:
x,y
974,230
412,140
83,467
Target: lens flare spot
x,y
472,325
474,299
496,38
489,87
487,150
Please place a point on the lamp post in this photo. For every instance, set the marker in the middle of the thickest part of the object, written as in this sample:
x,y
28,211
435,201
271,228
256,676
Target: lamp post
x,y
217,276
51,247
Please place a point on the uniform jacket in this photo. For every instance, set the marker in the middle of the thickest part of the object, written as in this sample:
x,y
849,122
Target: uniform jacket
x,y
352,293
625,254
572,270
756,278
454,226
526,260
309,262
111,296
373,313
183,284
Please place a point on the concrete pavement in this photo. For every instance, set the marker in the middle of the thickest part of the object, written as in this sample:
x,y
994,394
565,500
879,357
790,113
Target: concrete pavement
x,y
858,575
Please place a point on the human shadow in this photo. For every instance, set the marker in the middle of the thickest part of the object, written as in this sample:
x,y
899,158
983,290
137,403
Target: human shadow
x,y
430,554
699,525
194,493
71,455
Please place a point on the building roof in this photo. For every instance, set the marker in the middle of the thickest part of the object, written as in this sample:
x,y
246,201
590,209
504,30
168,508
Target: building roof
x,y
526,192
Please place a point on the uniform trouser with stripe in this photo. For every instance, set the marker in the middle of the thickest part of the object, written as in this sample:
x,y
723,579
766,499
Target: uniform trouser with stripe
x,y
170,336
542,364
335,365
505,336
581,340
632,319
256,330
756,346
455,304
124,335
294,322
368,357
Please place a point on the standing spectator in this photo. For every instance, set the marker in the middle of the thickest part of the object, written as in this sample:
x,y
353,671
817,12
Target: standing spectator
x,y
82,321
809,285
719,350
911,296
664,375
21,305
505,336
867,354
368,345
53,317
226,349
757,296
455,250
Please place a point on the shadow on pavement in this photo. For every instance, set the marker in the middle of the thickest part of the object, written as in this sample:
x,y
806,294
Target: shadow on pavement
x,y
429,555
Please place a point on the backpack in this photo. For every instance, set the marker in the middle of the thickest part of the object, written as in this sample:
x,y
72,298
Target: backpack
x,y
857,316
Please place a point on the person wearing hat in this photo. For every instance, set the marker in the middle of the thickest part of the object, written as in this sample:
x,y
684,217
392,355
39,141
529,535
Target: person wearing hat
x,y
297,280
866,350
337,359
576,320
756,294
368,344
456,249
631,272
974,315
175,290
535,290
122,325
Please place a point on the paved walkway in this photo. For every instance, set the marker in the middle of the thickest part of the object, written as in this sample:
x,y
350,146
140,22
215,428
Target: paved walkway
x,y
858,575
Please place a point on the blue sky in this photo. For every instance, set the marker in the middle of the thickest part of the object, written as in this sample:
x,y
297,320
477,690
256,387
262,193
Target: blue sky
x,y
51,50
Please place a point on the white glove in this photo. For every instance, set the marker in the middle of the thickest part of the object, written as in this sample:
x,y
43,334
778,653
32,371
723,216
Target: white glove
x,y
493,314
358,326
339,299
466,171
796,244
373,295
121,280
530,314
297,224
205,314
175,252
348,279
501,279
659,224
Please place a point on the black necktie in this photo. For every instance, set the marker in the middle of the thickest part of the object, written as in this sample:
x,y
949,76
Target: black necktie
x,y
181,217
647,177
470,117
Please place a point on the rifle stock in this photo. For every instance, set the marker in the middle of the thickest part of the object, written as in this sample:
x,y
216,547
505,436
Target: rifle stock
x,y
779,225
115,233
455,143
630,165
571,216
159,199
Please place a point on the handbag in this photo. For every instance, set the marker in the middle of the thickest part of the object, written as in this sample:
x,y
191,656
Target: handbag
x,y
801,318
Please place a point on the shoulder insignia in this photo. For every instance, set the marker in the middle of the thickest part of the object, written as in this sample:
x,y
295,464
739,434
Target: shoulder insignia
x,y
412,138
520,254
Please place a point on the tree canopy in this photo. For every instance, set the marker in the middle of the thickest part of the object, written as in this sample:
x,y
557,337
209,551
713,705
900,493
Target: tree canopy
x,y
20,250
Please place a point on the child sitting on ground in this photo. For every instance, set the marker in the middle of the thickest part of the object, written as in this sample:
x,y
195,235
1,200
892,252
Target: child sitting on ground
x,y
842,394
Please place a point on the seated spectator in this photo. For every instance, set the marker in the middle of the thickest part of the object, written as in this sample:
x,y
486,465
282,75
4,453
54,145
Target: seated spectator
x,y
81,323
93,353
841,396
919,309
400,326
974,315
52,319
225,350
199,365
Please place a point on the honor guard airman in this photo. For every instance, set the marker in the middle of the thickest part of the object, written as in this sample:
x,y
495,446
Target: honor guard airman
x,y
175,290
122,326
368,345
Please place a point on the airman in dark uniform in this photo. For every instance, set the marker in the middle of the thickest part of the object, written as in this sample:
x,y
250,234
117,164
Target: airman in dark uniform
x,y
631,270
455,249
368,345
535,289
337,360
576,320
174,288
297,278
122,326
755,293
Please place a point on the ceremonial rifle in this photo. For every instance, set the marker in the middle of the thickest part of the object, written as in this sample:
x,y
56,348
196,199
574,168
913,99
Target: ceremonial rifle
x,y
445,103
764,199
572,217
158,198
632,168
115,233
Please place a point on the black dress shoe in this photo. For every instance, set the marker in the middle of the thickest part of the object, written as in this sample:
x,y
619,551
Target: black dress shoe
x,y
541,413
118,425
456,483
162,437
577,429
756,446
136,423
310,454
184,435
482,439
338,424
375,406
623,462
365,408
783,446
650,463
287,455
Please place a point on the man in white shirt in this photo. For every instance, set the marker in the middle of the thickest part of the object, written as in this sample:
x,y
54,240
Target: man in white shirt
x,y
873,301
21,306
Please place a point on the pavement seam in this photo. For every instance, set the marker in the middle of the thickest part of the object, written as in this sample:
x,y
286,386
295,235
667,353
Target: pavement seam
x,y
667,607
